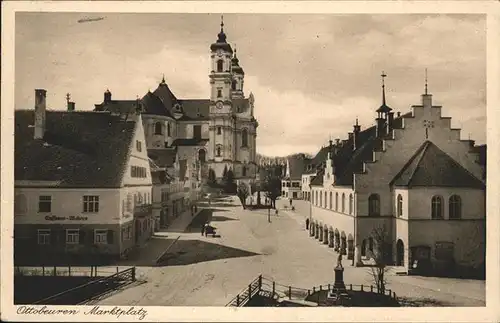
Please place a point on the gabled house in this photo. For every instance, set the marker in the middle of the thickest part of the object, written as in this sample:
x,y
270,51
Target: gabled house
x,y
82,182
411,177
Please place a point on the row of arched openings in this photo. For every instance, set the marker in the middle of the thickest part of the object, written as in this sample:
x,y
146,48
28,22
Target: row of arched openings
x,y
318,200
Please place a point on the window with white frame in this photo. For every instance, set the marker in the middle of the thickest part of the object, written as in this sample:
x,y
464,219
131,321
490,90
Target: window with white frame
x,y
351,203
336,201
455,207
343,202
43,236
90,204
44,204
100,236
130,202
400,206
374,205
72,236
437,207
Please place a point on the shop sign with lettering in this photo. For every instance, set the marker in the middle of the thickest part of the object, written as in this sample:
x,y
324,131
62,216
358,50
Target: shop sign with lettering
x,y
63,218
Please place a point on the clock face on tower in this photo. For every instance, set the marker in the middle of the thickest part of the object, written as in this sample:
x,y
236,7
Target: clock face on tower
x,y
219,105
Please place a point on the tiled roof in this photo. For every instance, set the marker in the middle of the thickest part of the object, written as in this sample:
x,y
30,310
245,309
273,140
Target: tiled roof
x,y
153,105
430,166
163,157
79,149
189,142
318,179
166,96
348,161
296,167
195,109
118,106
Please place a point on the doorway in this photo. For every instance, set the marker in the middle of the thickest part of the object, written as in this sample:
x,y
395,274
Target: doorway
x,y
400,253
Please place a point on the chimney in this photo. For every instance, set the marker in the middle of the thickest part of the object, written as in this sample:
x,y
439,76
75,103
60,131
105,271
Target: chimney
x,y
40,110
355,137
390,122
71,106
107,96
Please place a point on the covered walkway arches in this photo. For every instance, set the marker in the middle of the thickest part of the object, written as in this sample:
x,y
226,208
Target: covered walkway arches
x,y
337,240
343,243
325,234
350,247
331,235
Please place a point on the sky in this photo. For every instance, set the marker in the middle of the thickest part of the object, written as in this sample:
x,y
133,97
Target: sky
x,y
311,75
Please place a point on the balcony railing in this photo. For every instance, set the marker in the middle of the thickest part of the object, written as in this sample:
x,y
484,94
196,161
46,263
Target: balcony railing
x,y
143,210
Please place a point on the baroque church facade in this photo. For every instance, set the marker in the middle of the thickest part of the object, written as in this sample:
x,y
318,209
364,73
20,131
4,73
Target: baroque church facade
x,y
217,133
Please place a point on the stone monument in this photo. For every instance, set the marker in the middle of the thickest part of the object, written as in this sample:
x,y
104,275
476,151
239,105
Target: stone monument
x,y
338,294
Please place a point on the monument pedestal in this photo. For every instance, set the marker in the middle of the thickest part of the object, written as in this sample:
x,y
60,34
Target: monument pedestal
x,y
335,295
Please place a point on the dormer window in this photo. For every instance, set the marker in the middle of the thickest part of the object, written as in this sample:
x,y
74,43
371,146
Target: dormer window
x,y
219,93
177,107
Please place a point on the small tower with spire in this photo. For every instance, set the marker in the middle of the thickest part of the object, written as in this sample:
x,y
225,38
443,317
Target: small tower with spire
x,y
238,77
383,112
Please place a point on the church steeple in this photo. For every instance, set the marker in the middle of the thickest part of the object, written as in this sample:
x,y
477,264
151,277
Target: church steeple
x,y
221,42
383,108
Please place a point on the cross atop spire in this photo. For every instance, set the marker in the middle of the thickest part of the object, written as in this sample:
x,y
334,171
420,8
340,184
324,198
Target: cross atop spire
x,y
163,79
357,121
68,97
221,23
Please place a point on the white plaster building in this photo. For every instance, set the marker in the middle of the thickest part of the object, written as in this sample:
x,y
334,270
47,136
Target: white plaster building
x,y
82,182
413,176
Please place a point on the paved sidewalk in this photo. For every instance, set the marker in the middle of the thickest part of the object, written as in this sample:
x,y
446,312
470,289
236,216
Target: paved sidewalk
x,y
180,223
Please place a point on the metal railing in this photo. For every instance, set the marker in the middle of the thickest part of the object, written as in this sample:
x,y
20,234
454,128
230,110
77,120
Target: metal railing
x,y
267,286
81,294
65,271
246,295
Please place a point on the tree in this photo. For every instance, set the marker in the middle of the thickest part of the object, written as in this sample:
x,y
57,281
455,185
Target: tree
x,y
381,251
229,184
224,173
243,193
272,188
211,176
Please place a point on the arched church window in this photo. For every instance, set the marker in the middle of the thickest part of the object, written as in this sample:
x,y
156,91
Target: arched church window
x,y
351,203
220,65
244,138
233,85
169,130
244,171
218,151
158,128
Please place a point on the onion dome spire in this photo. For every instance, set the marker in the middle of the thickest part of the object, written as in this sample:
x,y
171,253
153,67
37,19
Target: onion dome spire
x,y
221,37
221,42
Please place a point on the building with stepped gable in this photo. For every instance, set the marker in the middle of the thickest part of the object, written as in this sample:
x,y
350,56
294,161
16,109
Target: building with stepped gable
x,y
412,177
214,133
